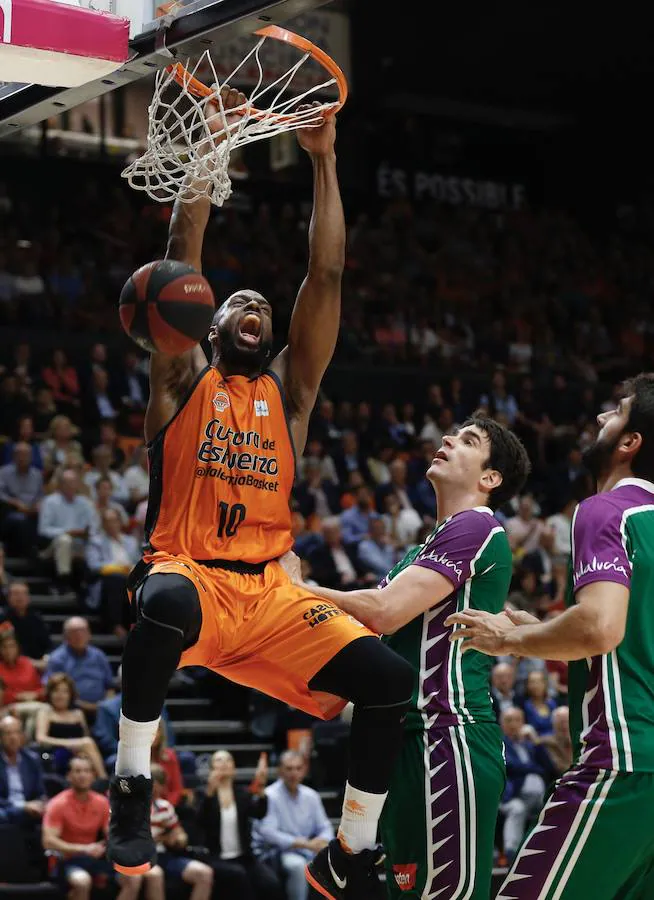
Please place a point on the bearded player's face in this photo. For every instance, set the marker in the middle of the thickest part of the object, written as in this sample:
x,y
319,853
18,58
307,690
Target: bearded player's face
x,y
599,456
241,333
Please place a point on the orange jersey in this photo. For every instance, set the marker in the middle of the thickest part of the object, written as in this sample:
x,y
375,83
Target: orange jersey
x,y
221,473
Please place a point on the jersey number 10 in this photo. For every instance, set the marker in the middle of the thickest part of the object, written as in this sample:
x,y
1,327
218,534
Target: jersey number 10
x,y
229,518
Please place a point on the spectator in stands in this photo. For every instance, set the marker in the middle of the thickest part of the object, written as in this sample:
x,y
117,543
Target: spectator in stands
x,y
315,453
503,687
355,522
137,478
22,681
350,458
66,519
14,403
525,787
377,553
102,469
25,434
397,485
165,756
558,745
332,564
524,530
61,725
59,443
43,412
99,403
226,814
29,628
538,705
108,437
110,556
296,824
172,840
22,792
62,380
132,384
402,524
498,401
75,825
103,491
21,490
557,542
87,665
315,495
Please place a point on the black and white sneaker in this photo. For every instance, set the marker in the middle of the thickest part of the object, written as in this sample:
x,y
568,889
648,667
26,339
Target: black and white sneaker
x,y
338,875
130,846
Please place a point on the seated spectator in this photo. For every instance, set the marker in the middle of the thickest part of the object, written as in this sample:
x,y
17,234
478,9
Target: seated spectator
x,y
99,402
499,400
59,443
75,825
225,814
377,554
524,530
295,827
14,402
87,665
66,519
402,524
503,687
110,557
108,437
522,668
525,787
22,680
43,412
304,541
133,385
355,522
24,434
391,429
22,792
102,468
538,705
137,478
397,485
61,725
172,840
315,454
350,458
315,495
29,628
332,564
165,756
558,745
62,380
21,490
103,491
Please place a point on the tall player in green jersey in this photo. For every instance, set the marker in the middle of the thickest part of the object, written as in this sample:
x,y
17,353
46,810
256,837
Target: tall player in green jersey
x,y
595,836
438,824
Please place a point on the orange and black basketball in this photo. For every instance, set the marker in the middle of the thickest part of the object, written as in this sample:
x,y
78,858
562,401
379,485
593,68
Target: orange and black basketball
x,y
166,306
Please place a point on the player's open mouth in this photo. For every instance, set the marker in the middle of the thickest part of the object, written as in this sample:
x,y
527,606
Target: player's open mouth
x,y
439,456
249,328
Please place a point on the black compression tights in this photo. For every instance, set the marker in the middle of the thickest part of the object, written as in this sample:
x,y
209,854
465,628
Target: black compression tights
x,y
169,618
380,684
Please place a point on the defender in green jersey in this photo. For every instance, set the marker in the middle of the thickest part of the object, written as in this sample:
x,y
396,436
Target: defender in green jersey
x,y
595,836
439,821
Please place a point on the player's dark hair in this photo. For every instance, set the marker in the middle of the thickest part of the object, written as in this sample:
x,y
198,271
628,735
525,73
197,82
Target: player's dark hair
x,y
507,455
641,419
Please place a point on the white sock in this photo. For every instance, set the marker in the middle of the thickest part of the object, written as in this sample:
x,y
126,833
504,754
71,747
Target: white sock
x,y
361,812
134,746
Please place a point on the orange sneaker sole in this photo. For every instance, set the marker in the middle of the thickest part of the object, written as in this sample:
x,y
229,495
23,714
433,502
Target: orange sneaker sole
x,y
133,870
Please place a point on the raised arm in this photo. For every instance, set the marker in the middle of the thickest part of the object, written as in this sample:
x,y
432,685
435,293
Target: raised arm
x,y
171,377
316,316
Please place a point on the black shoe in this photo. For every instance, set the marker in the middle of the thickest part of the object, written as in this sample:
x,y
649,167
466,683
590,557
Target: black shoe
x,y
338,875
130,847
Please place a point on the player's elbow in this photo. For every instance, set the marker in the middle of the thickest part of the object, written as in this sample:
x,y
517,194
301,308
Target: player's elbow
x,y
603,637
384,620
327,273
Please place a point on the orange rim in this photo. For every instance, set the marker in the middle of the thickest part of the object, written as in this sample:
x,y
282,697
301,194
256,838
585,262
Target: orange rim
x,y
184,78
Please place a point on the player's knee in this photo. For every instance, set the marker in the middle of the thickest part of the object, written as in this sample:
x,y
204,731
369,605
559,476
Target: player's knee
x,y
392,678
171,601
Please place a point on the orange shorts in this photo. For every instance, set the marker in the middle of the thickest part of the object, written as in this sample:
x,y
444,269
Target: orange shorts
x,y
264,632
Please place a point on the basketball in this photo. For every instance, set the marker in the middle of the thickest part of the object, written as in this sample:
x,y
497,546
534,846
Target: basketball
x,y
166,306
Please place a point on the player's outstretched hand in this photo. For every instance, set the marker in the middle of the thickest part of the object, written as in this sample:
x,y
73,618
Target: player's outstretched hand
x,y
290,563
481,630
318,140
234,103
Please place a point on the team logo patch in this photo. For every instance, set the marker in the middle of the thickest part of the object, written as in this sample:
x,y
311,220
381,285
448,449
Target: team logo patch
x,y
261,408
221,401
405,876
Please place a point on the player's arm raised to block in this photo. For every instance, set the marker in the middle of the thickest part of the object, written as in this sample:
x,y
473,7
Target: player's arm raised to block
x,y
316,315
171,377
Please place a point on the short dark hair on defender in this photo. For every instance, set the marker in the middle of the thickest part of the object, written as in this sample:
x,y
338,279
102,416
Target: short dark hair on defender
x,y
641,419
507,455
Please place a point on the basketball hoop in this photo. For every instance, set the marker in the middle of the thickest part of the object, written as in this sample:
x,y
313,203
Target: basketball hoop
x,y
184,159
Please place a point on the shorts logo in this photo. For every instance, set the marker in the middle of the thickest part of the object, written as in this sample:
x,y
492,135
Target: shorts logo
x,y
321,613
221,401
405,876
261,408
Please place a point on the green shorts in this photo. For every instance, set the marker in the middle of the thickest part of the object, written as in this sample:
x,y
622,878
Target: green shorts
x,y
594,840
438,824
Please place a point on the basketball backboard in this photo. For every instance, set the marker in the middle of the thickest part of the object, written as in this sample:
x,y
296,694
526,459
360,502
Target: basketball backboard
x,y
186,28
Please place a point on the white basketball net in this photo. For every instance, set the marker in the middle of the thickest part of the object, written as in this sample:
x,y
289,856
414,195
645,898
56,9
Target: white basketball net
x,y
189,145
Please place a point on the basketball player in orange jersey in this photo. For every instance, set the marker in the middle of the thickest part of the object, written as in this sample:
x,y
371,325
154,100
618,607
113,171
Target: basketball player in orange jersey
x,y
210,590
